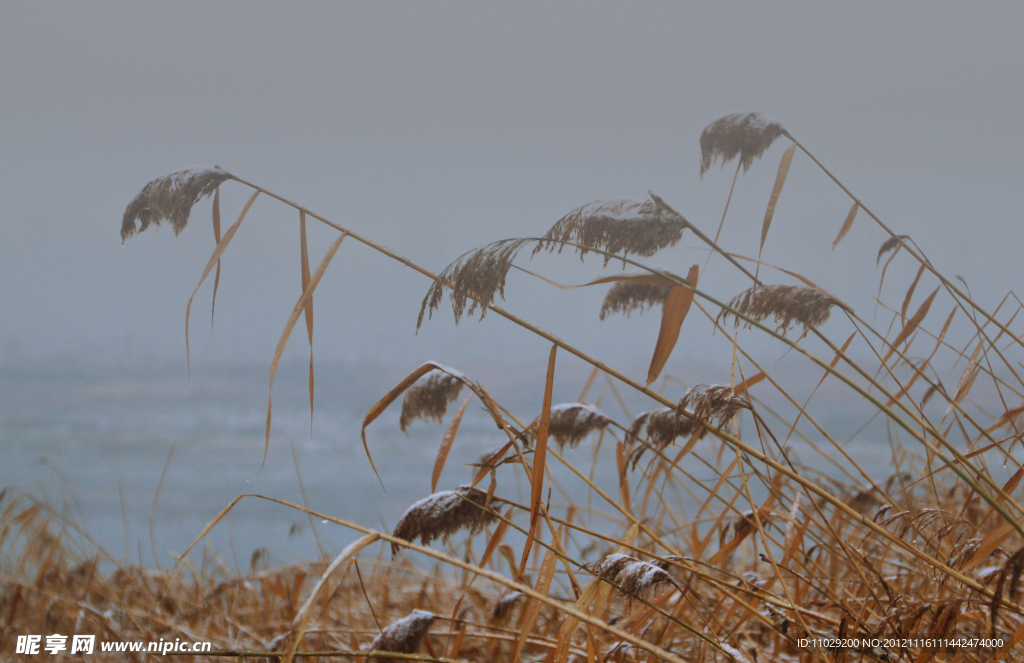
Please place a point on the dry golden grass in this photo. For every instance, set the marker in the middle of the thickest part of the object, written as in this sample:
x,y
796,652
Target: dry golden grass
x,y
716,543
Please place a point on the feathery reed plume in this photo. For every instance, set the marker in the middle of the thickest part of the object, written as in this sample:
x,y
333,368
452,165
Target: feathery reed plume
x,y
786,303
715,404
475,277
747,135
889,245
430,397
1008,578
443,514
571,422
640,227
655,430
505,605
171,198
403,636
627,296
634,578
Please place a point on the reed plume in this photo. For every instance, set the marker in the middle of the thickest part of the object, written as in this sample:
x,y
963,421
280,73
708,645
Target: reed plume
x,y
747,135
715,404
476,278
628,296
443,514
171,198
655,430
785,303
505,606
403,636
634,577
569,423
640,227
430,397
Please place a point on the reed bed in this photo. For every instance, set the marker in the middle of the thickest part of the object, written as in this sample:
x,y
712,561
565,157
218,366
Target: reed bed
x,y
715,544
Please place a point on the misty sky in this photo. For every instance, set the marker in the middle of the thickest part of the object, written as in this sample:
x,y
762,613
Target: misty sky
x,y
434,128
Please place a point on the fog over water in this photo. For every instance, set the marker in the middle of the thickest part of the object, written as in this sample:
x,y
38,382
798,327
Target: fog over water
x,y
434,129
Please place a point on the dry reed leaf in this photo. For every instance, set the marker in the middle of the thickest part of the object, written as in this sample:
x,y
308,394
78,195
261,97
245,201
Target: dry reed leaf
x,y
847,224
749,382
390,398
571,422
894,242
304,267
532,610
430,397
495,540
639,227
677,305
780,180
747,135
446,442
967,378
214,260
910,294
1005,418
627,297
1009,575
912,324
635,578
171,198
989,544
216,241
443,514
475,277
540,456
785,303
403,636
299,307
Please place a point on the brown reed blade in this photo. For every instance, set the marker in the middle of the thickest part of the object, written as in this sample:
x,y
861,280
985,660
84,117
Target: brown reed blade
x,y
746,135
780,179
847,224
405,635
171,198
389,398
446,443
430,397
216,240
911,325
540,457
443,514
543,586
214,260
304,266
297,310
910,295
475,278
785,303
570,423
619,226
677,305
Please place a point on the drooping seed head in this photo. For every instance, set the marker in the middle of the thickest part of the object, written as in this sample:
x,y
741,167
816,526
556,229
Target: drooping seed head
x,y
171,199
405,635
442,515
715,404
785,303
430,397
569,423
655,430
628,296
746,135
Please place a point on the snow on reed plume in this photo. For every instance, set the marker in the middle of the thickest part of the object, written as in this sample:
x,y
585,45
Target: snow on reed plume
x,y
476,277
442,515
634,577
640,227
403,636
655,430
429,397
170,199
569,423
747,135
715,404
628,296
785,303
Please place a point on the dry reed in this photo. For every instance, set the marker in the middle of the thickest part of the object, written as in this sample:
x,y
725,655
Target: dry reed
x,y
747,135
404,635
570,423
785,303
628,296
442,515
429,397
